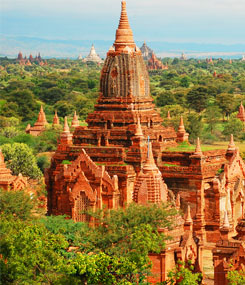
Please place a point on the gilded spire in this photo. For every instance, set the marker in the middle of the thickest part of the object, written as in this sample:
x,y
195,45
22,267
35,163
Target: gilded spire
x,y
124,34
231,145
198,150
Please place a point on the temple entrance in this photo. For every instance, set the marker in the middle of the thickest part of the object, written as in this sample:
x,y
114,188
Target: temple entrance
x,y
102,141
160,139
81,205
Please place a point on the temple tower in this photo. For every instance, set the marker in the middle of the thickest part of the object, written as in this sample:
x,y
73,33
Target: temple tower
x,y
125,94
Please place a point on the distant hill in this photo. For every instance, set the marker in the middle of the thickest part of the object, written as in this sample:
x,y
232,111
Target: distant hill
x,y
10,46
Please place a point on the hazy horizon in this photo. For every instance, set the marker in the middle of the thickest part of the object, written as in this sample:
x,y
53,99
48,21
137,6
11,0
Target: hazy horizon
x,y
209,22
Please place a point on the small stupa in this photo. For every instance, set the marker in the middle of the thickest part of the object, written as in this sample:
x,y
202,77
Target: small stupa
x,y
149,186
40,124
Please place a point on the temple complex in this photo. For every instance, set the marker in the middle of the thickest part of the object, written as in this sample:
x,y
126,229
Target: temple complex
x,y
93,56
146,52
122,156
39,126
9,181
155,64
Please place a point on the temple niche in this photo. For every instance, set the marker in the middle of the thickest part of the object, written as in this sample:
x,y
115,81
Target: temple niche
x,y
121,156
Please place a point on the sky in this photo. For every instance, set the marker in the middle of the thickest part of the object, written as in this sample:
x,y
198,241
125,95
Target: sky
x,y
198,21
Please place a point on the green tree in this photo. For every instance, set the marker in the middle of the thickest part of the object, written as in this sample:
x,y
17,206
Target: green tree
x,y
30,253
197,98
18,204
183,274
130,233
212,115
20,159
194,126
226,103
234,126
236,277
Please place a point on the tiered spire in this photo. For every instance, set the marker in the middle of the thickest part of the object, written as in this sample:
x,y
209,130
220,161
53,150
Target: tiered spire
x,y
181,128
226,224
41,120
149,186
188,217
169,116
75,122
150,162
139,132
56,120
231,146
241,113
124,34
182,135
66,126
198,150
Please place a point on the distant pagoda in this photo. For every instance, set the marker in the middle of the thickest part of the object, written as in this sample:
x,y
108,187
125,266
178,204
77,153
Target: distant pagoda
x,y
93,57
146,51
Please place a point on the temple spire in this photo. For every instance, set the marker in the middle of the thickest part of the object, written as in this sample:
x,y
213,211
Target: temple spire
x,y
150,162
198,150
231,145
75,122
169,116
181,126
188,217
56,120
66,126
139,132
226,223
124,34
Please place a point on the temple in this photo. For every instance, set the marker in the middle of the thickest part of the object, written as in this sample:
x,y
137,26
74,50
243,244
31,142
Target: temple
x,y
93,56
122,156
7,180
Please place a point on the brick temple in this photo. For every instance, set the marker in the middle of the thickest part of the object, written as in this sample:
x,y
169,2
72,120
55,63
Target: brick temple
x,y
121,156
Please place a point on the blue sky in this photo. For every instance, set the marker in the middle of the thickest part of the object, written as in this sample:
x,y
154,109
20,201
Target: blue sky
x,y
208,21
